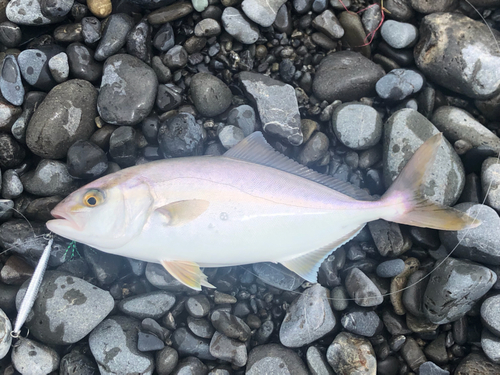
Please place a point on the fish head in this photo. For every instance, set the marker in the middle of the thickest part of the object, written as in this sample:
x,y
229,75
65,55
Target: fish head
x,y
105,214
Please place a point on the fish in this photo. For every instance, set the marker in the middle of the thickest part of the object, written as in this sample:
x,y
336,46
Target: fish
x,y
250,205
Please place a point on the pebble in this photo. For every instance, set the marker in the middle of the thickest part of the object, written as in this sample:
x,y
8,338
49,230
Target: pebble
x,y
226,349
328,24
261,12
398,84
364,292
86,160
362,322
405,131
207,28
75,363
399,34
355,34
356,125
5,337
477,363
490,180
314,150
30,13
114,36
186,344
30,357
11,85
198,306
243,116
273,99
50,177
104,266
176,57
91,30
436,350
465,63
230,325
210,95
426,7
316,361
490,314
170,13
414,293
413,354
429,368
161,279
147,342
200,327
59,67
34,65
230,136
351,354
453,289
164,38
10,34
128,90
122,146
478,244
181,135
148,305
166,360
190,365
274,359
12,153
8,115
82,64
278,276
113,344
169,97
237,25
338,75
490,345
390,268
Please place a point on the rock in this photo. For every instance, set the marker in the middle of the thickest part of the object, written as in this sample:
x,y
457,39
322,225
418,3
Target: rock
x,y
356,125
34,65
200,327
316,361
169,97
128,90
309,318
166,360
405,131
170,13
346,76
75,363
198,306
11,153
490,314
49,178
114,36
227,349
430,368
230,136
187,344
148,305
398,84
5,337
91,30
190,365
277,276
230,325
314,150
355,34
82,63
30,357
399,34
490,345
364,292
414,293
238,26
86,160
11,85
181,135
262,12
164,38
490,181
29,13
206,28
453,289
139,41
478,244
148,342
390,268
273,99
427,7
351,354
176,57
114,346
161,279
464,63
10,34
328,24
8,115
476,363
362,322
59,67
123,147
65,116
274,359
62,300
210,95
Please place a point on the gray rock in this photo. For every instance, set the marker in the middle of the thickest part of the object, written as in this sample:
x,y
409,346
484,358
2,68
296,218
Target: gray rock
x,y
277,276
243,117
62,301
148,305
5,337
230,325
198,306
262,12
465,63
66,115
181,135
490,345
276,104
346,76
309,318
34,66
176,57
114,35
405,131
11,84
364,292
206,28
399,34
490,314
8,115
10,34
480,244
187,344
314,150
49,178
356,125
113,344
340,298
477,363
413,354
59,67
238,26
351,354
169,13
147,342
414,293
166,360
161,279
32,358
230,350
398,84
430,368
91,30
328,24
11,152
200,327
362,322
316,361
490,181
190,365
76,363
427,7
210,95
82,63
390,268
453,289
274,359
23,12
164,38
230,136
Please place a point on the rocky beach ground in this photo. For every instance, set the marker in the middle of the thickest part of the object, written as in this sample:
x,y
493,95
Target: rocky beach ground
x,y
348,88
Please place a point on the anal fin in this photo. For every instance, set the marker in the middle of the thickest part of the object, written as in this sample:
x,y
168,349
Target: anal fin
x,y
307,265
186,272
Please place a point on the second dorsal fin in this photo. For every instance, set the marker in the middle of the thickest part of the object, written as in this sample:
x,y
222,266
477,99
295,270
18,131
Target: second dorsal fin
x,y
255,149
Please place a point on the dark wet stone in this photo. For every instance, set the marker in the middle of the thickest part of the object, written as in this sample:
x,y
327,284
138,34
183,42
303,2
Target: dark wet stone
x,y
388,238
413,354
114,346
398,84
316,361
187,344
351,354
390,268
55,8
32,357
346,76
161,279
176,57
34,65
12,186
164,38
114,36
328,24
274,359
277,276
147,342
262,12
76,363
101,136
190,365
477,363
198,306
436,350
10,34
39,209
65,116
128,90
210,95
355,34
169,97
181,135
68,33
426,7
9,115
104,266
11,152
430,368
371,18
59,67
162,71
139,41
238,26
400,10
15,271
86,160
91,30
149,305
170,13
283,21
414,293
166,360
122,146
200,327
362,289
230,325
11,85
314,150
362,322
206,28
50,177
287,70
302,6
227,349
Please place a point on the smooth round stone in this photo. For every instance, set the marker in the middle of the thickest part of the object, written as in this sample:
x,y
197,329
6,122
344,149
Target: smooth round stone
x,y
314,150
34,66
319,6
340,298
362,322
11,84
50,177
118,335
346,76
453,289
398,84
329,25
10,34
23,12
149,305
309,318
340,4
91,30
128,90
162,72
464,63
82,64
412,354
262,12
405,131
180,136
274,359
427,7
491,345
277,276
164,38
166,360
244,118
188,345
15,270
11,152
210,95
230,325
39,209
230,136
56,8
169,97
399,34
198,306
170,13
62,299
302,6
430,368
66,115
59,67
76,363
207,27
86,160
200,5
490,314
31,357
490,178
190,365
176,57
351,354
287,70
230,350
390,268
316,361
9,114
283,21
477,363
371,18
139,41
114,36
161,279
355,34
148,342
12,187
105,266
5,337
200,327
238,26
356,125
122,146
414,292
479,244
364,292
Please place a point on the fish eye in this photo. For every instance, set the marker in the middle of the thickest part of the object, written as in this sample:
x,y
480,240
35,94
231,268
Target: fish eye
x,y
93,198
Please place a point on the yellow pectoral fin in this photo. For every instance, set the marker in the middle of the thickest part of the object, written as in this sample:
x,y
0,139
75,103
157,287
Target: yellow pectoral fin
x,y
182,212
188,273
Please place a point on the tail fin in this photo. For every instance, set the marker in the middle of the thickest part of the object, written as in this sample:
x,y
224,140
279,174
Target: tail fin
x,y
412,207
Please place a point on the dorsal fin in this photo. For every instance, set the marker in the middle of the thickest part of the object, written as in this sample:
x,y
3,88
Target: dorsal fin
x,y
255,149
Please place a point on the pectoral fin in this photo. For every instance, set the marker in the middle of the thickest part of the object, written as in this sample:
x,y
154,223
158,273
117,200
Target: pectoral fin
x,y
182,212
307,265
188,273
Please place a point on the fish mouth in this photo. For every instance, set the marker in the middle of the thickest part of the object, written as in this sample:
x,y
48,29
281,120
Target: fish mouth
x,y
61,219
